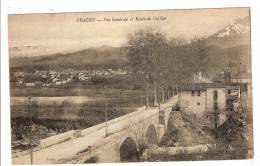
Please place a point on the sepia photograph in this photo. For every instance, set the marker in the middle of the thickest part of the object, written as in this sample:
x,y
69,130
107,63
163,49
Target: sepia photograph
x,y
130,86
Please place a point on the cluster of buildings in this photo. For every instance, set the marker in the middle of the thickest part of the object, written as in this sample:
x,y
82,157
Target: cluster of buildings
x,y
49,78
210,101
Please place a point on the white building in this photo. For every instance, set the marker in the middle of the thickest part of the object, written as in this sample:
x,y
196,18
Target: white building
x,y
204,100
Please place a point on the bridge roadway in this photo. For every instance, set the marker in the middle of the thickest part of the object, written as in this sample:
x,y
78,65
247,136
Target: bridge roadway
x,y
73,146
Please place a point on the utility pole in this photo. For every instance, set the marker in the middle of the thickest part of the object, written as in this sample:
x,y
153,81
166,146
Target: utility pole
x,y
177,89
31,122
147,93
163,99
146,156
106,116
155,97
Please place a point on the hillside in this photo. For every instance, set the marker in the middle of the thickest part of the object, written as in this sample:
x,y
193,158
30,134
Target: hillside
x,y
218,58
182,131
88,58
228,45
234,34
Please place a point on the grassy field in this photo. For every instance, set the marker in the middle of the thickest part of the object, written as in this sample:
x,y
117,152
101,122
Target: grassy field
x,y
56,110
55,102
59,100
72,91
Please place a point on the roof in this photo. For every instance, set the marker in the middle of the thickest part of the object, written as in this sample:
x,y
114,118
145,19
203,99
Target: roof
x,y
199,86
232,87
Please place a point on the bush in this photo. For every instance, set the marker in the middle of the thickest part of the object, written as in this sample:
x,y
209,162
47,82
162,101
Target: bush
x,y
93,159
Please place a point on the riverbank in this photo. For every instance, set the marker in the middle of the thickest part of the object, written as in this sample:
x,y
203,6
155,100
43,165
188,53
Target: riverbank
x,y
187,140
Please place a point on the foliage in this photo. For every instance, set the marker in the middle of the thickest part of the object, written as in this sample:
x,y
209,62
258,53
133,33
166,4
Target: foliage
x,y
137,130
166,61
93,159
147,52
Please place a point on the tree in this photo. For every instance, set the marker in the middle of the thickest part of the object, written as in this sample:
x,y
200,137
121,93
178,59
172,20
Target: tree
x,y
227,76
200,50
137,130
185,58
147,49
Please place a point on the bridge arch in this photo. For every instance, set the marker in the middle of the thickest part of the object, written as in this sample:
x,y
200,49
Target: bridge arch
x,y
151,134
128,151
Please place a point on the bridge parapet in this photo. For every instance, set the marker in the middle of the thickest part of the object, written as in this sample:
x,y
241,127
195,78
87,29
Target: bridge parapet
x,y
44,143
77,146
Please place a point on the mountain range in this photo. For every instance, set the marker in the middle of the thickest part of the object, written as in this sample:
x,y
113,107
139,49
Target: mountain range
x,y
232,43
235,34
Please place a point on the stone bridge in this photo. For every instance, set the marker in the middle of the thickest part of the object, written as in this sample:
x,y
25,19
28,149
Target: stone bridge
x,y
117,141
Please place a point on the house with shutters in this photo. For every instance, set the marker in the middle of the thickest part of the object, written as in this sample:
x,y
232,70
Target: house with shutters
x,y
206,100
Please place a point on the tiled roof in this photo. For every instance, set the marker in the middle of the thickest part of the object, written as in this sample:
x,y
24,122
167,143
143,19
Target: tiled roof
x,y
199,86
232,87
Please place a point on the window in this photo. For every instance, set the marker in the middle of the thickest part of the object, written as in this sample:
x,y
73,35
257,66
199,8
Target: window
x,y
229,91
215,106
198,93
215,95
198,103
193,93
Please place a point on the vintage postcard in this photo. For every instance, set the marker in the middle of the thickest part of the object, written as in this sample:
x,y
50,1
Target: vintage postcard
x,y
132,86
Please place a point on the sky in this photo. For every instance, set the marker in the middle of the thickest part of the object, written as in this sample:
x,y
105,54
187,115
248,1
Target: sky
x,y
40,34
